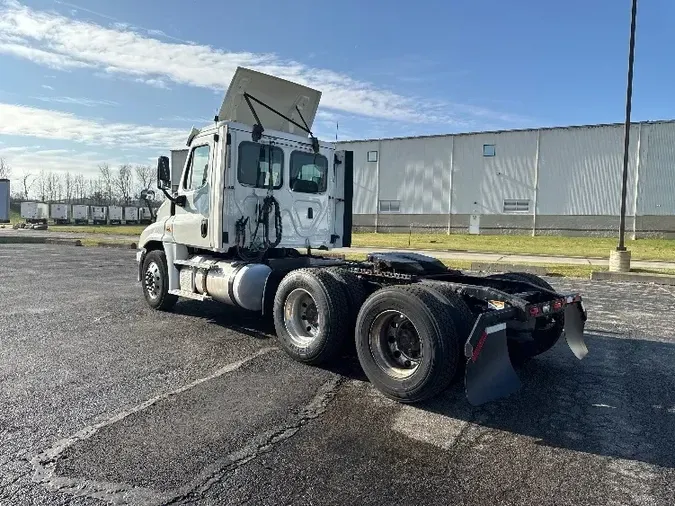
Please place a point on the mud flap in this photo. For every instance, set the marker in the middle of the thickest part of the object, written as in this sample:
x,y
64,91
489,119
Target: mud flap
x,y
575,321
489,373
140,258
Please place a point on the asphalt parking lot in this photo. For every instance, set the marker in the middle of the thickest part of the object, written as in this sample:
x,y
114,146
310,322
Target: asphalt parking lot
x,y
105,400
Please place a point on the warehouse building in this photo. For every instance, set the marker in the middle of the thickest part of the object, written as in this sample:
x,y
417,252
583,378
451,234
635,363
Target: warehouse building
x,y
536,181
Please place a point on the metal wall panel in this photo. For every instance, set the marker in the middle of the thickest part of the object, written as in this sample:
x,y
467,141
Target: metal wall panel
x,y
417,173
656,186
365,177
488,180
580,171
579,174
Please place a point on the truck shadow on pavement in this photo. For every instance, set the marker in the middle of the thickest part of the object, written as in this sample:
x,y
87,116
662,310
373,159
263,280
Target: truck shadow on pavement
x,y
618,402
231,318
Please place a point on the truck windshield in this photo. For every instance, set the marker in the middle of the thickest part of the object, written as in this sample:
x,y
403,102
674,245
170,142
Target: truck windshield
x,y
309,172
253,164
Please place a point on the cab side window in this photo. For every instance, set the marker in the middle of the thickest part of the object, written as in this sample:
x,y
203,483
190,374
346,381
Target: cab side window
x,y
309,172
198,169
254,165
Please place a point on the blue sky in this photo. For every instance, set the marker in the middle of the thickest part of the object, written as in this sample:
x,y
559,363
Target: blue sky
x,y
96,81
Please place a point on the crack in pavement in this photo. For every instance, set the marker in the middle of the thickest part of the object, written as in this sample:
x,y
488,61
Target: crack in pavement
x,y
263,443
44,463
664,289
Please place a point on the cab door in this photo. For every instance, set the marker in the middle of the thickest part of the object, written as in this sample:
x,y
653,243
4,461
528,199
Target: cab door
x,y
191,221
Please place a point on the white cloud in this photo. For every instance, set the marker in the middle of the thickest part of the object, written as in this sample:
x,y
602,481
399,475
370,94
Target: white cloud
x,y
87,102
187,119
43,123
47,58
324,115
157,83
31,160
47,87
57,41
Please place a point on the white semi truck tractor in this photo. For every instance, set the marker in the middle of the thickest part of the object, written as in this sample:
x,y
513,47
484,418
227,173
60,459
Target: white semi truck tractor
x,y
258,202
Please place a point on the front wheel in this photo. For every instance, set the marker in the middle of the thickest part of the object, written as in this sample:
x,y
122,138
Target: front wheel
x,y
155,282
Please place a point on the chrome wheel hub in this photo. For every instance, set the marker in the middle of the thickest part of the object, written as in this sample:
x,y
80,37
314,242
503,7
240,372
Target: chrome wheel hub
x,y
152,280
301,317
395,344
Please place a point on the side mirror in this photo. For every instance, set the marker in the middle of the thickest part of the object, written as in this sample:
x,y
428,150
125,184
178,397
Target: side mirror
x,y
163,173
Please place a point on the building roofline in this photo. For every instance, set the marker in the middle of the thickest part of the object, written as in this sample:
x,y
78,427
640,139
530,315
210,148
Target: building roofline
x,y
513,130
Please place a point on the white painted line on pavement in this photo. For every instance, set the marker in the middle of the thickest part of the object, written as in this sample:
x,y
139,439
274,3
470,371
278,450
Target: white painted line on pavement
x,y
44,463
663,288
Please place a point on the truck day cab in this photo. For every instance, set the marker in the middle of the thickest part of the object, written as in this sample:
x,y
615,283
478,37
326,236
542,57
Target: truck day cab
x,y
259,195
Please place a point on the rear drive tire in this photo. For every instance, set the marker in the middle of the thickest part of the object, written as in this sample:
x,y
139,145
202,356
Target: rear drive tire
x,y
310,316
155,282
355,293
406,343
461,315
547,330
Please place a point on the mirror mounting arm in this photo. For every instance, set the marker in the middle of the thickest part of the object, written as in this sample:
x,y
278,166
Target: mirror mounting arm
x,y
179,200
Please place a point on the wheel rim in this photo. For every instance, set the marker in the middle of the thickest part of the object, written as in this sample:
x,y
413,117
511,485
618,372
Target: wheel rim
x,y
395,344
301,317
152,280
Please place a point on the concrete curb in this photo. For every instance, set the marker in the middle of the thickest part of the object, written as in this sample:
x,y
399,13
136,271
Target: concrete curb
x,y
634,277
118,245
70,242
499,267
13,239
31,239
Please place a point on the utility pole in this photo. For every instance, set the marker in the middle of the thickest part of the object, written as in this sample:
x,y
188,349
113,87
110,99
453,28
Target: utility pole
x,y
619,260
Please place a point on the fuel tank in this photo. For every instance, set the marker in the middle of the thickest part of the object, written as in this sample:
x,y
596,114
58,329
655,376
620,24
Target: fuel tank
x,y
231,282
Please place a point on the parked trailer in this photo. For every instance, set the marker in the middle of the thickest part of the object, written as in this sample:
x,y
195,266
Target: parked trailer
x,y
131,214
409,316
80,213
144,215
4,200
59,213
99,215
35,212
115,214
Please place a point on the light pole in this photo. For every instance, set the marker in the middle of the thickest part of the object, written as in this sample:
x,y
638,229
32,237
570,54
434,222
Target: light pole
x,y
619,260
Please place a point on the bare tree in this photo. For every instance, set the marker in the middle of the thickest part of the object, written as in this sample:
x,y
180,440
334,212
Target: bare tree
x,y
54,190
123,182
94,191
5,169
68,186
26,183
42,185
145,177
79,187
106,182
49,188
58,186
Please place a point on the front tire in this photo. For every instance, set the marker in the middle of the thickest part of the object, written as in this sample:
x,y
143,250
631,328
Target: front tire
x,y
406,343
155,282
